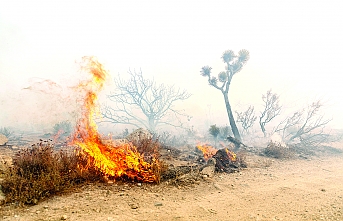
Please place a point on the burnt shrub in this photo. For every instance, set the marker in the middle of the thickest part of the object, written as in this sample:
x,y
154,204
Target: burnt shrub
x,y
277,150
39,172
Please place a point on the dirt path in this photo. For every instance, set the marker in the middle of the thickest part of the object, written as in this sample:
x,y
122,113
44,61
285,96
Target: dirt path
x,y
287,190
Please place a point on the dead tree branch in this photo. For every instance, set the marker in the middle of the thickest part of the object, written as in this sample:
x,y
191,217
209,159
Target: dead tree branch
x,y
271,109
305,127
247,119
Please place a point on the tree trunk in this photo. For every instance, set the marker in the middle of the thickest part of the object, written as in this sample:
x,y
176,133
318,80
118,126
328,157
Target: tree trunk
x,y
263,129
231,119
152,125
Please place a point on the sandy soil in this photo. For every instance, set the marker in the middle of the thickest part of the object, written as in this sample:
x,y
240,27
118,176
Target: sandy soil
x,y
298,189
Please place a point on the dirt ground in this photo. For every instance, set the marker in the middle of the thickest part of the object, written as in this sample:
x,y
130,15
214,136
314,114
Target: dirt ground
x,y
292,189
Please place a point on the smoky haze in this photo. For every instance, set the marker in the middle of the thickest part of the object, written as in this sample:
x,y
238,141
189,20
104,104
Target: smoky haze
x,y
294,50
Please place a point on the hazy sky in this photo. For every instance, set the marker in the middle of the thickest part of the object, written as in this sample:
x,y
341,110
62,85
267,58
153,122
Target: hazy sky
x,y
295,48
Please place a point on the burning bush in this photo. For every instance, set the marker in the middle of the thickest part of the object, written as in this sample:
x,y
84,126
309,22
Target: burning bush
x,y
39,172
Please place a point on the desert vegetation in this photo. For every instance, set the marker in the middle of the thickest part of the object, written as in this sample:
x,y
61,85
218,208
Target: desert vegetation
x,y
148,154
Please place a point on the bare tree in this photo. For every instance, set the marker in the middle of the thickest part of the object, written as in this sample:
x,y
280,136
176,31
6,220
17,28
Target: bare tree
x,y
271,109
234,63
246,118
143,103
306,125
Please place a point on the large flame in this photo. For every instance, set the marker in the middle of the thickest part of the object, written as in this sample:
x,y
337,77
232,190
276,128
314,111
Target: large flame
x,y
112,160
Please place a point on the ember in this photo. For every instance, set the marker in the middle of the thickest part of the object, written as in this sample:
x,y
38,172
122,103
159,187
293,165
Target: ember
x,y
117,161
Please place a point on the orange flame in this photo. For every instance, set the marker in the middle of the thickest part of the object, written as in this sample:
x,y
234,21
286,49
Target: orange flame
x,y
210,151
112,160
231,155
207,150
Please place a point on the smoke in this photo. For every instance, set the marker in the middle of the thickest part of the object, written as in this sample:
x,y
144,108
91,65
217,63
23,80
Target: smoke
x,y
40,105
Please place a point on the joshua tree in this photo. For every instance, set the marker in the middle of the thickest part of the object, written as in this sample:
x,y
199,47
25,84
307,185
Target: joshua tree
x,y
271,109
234,64
143,103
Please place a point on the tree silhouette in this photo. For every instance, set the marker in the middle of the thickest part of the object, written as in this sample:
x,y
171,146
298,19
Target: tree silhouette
x,y
271,109
143,103
234,63
247,119
306,125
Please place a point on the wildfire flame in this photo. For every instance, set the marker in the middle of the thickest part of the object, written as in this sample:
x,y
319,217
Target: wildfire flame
x,y
113,161
231,155
207,150
210,151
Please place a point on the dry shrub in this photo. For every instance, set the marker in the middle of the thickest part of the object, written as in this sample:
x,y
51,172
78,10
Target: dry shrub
x,y
39,172
277,150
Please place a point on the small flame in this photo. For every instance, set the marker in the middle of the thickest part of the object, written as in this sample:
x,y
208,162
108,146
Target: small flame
x,y
231,155
210,151
207,150
112,160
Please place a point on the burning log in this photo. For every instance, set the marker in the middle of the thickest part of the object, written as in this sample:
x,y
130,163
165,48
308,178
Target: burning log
x,y
226,161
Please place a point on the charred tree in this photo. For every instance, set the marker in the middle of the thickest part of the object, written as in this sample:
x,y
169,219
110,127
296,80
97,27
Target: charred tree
x,y
305,127
271,110
247,119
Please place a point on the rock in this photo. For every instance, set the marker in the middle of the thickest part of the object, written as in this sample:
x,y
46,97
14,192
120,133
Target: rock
x,y
158,204
139,134
115,142
64,217
133,205
3,139
208,170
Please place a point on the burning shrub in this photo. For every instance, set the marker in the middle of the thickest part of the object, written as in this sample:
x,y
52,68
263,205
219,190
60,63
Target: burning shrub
x,y
277,150
39,172
149,148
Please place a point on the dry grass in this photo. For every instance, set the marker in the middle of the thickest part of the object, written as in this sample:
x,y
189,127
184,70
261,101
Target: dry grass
x,y
39,172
